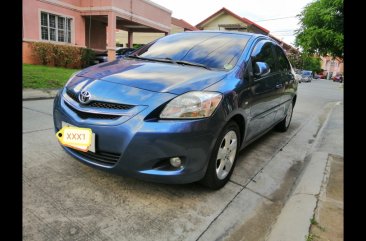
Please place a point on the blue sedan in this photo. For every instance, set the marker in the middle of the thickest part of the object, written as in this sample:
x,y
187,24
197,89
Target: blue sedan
x,y
179,109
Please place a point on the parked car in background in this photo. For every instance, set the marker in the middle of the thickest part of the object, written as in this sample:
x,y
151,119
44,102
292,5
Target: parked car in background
x,y
175,111
322,76
297,74
338,78
120,52
298,77
306,76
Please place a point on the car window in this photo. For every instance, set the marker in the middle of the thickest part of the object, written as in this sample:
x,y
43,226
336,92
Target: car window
x,y
123,51
306,72
263,52
215,50
283,63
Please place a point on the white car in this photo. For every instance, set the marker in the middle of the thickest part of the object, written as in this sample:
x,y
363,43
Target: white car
x,y
306,76
298,77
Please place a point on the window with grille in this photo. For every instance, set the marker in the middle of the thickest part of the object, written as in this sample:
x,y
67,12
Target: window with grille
x,y
55,28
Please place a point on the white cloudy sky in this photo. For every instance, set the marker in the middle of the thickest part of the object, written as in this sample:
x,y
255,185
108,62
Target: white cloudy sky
x,y
194,11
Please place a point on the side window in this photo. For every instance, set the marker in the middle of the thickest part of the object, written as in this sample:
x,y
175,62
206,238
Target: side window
x,y
263,52
283,63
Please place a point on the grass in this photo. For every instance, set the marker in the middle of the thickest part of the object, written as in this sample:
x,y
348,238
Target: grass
x,y
45,77
311,236
313,221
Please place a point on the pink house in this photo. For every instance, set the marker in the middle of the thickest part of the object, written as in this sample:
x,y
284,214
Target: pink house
x,y
89,23
332,66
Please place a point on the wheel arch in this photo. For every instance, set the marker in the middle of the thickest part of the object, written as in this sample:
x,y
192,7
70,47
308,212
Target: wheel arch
x,y
294,100
239,119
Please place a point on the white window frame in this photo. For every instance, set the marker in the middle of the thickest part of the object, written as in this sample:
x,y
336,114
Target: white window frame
x,y
66,30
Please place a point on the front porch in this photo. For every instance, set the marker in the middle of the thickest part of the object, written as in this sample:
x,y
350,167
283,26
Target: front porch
x,y
101,26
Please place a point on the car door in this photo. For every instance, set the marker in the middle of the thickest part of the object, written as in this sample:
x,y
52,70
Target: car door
x,y
264,90
285,82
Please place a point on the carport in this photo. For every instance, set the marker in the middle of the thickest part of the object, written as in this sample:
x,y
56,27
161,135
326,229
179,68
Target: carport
x,y
101,22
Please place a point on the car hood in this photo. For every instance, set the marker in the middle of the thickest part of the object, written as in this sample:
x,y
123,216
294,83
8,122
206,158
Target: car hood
x,y
154,76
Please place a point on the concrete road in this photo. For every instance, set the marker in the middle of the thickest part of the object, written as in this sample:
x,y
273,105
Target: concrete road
x,y
66,200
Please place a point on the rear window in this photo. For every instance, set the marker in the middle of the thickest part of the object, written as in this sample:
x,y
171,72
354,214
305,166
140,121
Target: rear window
x,y
306,72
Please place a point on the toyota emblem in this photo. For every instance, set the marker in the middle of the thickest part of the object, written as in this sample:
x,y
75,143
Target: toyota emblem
x,y
84,97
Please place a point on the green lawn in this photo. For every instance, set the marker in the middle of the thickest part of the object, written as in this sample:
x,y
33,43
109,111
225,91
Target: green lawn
x,y
45,77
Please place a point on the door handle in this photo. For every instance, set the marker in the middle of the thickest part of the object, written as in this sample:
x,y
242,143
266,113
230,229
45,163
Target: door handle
x,y
279,86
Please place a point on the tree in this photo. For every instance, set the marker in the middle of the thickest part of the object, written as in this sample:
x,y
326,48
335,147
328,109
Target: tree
x,y
321,30
304,61
311,63
295,60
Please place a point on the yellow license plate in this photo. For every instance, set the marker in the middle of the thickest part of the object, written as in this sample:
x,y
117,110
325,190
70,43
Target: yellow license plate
x,y
76,137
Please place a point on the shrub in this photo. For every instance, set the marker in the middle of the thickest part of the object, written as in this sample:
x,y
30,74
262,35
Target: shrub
x,y
66,56
62,55
136,46
87,57
42,52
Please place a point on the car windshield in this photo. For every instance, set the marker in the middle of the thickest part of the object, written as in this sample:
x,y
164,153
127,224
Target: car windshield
x,y
306,72
124,51
212,50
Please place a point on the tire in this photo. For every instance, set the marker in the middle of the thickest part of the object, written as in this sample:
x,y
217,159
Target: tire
x,y
285,123
223,157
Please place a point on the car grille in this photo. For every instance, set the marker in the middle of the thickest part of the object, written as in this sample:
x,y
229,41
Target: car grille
x,y
87,115
110,105
99,104
104,158
72,95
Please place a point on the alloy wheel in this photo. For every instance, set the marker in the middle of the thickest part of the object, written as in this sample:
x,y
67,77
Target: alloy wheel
x,y
289,115
226,154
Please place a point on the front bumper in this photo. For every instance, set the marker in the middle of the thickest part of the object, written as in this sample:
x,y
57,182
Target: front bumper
x,y
141,148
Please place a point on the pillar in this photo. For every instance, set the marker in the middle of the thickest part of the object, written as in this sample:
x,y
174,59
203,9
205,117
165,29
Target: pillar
x,y
111,36
130,39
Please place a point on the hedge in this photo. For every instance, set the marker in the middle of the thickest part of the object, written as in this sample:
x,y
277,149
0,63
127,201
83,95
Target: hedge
x,y
62,55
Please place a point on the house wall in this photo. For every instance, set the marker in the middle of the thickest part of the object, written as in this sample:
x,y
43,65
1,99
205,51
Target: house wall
x,y
94,3
98,35
138,38
32,25
143,11
32,22
333,66
254,29
144,38
176,29
222,19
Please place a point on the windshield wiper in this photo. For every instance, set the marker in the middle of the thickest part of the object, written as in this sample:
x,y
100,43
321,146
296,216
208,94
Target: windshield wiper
x,y
165,60
192,64
169,60
138,57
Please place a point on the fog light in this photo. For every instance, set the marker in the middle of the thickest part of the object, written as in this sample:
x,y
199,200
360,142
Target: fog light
x,y
175,161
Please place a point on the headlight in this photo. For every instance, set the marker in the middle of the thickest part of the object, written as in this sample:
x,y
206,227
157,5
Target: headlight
x,y
72,76
195,104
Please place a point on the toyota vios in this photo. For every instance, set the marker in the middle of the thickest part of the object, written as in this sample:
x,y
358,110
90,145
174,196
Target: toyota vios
x,y
179,109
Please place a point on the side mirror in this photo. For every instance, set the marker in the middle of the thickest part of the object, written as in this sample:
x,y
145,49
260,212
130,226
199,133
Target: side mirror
x,y
261,69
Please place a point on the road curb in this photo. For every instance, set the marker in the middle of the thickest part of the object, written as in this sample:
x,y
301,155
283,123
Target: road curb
x,y
39,94
294,221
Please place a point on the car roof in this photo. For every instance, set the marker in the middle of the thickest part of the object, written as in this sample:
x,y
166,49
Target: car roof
x,y
251,35
224,32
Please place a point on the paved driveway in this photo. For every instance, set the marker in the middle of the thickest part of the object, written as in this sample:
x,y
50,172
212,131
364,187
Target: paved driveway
x,y
66,200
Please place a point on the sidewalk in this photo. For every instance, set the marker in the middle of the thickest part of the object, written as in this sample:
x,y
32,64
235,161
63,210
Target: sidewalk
x,y
327,223
39,94
314,211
